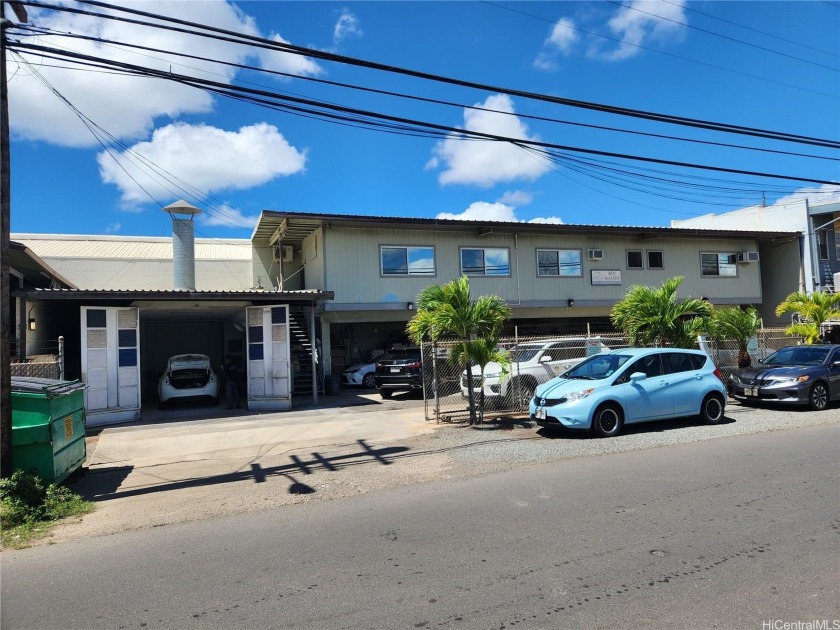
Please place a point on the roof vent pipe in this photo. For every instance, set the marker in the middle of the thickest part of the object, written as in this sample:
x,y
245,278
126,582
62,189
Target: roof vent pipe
x,y
183,244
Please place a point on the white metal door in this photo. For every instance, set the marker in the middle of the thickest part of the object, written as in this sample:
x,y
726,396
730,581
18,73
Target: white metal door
x,y
269,358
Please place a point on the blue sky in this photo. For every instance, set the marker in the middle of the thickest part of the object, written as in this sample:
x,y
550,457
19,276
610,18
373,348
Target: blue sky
x,y
766,65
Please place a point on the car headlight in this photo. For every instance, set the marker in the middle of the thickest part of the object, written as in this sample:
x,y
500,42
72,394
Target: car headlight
x,y
579,395
790,380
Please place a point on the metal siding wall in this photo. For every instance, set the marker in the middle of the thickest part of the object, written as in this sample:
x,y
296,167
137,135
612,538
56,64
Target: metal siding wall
x,y
354,266
314,253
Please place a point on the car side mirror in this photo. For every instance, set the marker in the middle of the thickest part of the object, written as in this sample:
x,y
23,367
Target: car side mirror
x,y
637,376
545,358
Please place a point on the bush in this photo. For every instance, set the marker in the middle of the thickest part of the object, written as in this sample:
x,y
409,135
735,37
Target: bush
x,y
24,501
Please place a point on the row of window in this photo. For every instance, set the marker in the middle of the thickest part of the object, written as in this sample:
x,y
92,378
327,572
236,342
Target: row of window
x,y
495,261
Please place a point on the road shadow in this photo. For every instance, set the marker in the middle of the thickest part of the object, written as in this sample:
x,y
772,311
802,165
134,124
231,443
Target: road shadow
x,y
653,426
102,484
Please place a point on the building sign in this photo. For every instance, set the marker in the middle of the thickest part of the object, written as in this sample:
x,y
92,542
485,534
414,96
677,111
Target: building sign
x,y
600,276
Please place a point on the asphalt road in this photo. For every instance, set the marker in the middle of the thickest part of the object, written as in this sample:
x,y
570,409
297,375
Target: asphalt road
x,y
738,532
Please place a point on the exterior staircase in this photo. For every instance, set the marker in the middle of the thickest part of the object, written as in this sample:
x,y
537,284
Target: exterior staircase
x,y
301,351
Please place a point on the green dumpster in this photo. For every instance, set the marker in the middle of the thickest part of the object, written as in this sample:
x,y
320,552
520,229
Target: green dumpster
x,y
48,426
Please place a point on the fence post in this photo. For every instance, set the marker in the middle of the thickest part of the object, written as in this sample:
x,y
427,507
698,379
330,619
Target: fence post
x,y
61,357
435,381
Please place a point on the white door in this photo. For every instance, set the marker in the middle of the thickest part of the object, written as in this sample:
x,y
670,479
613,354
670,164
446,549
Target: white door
x,y
111,363
269,358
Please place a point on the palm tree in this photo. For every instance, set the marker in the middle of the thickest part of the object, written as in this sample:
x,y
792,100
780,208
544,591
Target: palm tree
x,y
448,310
655,317
737,325
480,352
816,308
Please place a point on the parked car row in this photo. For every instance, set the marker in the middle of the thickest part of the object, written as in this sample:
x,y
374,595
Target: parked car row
x,y
632,385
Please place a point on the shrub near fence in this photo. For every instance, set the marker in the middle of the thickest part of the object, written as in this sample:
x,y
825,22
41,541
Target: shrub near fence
x,y
442,380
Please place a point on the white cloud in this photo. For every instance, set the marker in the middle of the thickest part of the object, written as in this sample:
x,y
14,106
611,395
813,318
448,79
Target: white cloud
x,y
289,63
643,20
563,36
484,211
128,106
516,198
547,220
346,26
486,162
228,217
823,193
113,228
204,157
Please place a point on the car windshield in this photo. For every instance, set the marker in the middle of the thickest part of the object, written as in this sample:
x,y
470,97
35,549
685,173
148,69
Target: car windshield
x,y
597,367
799,355
521,354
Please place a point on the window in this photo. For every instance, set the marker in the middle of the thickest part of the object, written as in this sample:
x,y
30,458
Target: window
x,y
485,261
718,265
559,262
655,259
634,259
823,237
407,261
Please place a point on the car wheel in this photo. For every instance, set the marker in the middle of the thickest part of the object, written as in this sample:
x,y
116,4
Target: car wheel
x,y
385,393
711,411
369,380
607,421
818,398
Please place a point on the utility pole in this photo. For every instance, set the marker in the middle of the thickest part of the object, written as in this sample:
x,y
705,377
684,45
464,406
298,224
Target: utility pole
x,y
6,466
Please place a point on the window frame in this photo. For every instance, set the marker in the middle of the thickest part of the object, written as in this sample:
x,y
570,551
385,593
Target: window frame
x,y
641,254
474,274
661,253
560,265
734,264
408,273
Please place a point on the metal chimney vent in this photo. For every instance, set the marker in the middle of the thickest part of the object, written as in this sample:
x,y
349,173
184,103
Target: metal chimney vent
x,y
183,244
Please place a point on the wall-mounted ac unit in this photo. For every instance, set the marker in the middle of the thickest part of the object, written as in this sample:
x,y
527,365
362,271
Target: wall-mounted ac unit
x,y
596,254
288,253
747,257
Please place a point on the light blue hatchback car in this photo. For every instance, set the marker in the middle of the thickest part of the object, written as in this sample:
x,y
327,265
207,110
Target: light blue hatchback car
x,y
607,391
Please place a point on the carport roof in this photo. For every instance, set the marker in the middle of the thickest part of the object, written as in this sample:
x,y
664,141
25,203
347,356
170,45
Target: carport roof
x,y
303,296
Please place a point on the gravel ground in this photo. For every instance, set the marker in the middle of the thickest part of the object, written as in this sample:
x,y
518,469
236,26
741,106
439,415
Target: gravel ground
x,y
450,451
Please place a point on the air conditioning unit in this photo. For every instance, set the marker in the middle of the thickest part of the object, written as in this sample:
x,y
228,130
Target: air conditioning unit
x,y
747,257
596,254
287,252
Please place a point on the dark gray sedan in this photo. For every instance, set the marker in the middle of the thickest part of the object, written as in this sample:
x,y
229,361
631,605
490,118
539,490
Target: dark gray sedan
x,y
798,375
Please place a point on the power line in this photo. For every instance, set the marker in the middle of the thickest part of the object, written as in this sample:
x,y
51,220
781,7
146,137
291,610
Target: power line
x,y
423,99
364,116
754,30
727,37
235,37
660,52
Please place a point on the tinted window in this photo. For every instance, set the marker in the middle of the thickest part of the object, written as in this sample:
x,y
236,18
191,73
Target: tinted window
x,y
698,360
400,355
598,366
800,355
677,362
650,366
634,259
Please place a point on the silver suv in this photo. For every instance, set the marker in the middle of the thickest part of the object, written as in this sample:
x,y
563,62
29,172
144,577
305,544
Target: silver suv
x,y
532,363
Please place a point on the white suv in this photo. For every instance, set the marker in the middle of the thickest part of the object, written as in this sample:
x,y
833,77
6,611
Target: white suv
x,y
531,363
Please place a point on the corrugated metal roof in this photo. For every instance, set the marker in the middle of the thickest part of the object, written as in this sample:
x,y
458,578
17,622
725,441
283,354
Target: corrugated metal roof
x,y
305,295
130,247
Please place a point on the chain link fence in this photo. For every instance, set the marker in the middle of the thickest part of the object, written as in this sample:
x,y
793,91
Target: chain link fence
x,y
45,360
536,359
37,369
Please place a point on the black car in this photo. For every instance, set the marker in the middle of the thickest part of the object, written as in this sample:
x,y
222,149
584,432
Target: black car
x,y
797,375
399,370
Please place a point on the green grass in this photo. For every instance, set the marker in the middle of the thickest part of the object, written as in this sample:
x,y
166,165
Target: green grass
x,y
28,509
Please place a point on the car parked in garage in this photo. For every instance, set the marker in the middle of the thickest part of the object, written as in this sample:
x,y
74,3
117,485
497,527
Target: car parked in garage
x,y
361,374
607,391
795,375
399,370
188,377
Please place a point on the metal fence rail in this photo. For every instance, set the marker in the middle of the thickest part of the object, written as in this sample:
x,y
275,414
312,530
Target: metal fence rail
x,y
445,384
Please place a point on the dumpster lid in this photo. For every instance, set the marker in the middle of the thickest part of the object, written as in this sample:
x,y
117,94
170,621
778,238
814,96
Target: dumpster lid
x,y
52,386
